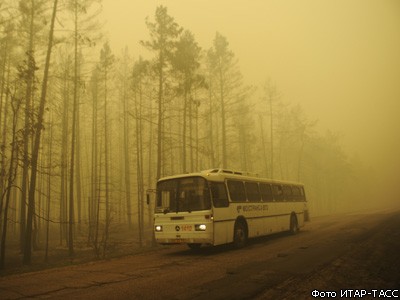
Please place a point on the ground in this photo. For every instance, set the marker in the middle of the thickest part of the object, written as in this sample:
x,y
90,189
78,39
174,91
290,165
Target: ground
x,y
359,251
373,262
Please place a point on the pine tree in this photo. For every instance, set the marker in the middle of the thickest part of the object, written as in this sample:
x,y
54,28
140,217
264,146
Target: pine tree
x,y
227,85
35,153
163,34
106,62
186,63
140,70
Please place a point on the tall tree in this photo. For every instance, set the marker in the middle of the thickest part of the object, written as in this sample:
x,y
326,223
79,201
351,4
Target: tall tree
x,y
186,63
15,104
82,35
124,78
271,97
65,70
94,195
7,49
212,157
78,8
106,62
31,24
50,158
227,86
35,153
163,34
140,69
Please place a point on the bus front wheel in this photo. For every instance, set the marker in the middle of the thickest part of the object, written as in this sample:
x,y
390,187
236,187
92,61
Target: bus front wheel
x,y
239,235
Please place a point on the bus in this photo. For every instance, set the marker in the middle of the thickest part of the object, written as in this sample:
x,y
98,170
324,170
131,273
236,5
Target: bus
x,y
219,206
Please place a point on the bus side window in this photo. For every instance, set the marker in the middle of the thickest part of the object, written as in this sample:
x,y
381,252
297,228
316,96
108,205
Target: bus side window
x,y
219,196
252,191
302,194
236,191
296,193
266,192
277,192
287,193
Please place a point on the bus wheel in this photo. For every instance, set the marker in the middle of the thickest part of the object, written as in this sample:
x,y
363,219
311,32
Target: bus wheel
x,y
194,246
239,235
294,226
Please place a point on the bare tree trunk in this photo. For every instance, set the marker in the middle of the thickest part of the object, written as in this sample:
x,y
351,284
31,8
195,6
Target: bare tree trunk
x,y
139,164
264,158
270,93
28,95
96,235
35,153
3,79
93,203
78,167
106,155
73,139
300,153
271,138
127,161
40,199
160,117
11,178
64,155
49,154
210,121
184,125
4,140
223,122
280,157
150,163
191,134
197,134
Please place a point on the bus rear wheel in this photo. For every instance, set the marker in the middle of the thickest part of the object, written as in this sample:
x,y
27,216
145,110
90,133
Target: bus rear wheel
x,y
239,235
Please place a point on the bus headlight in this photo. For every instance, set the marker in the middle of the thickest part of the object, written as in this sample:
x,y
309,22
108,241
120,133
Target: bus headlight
x,y
200,227
158,228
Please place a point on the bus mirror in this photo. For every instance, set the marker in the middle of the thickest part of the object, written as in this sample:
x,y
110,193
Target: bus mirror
x,y
148,191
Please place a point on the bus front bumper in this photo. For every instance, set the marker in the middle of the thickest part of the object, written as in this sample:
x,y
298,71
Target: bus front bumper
x,y
177,240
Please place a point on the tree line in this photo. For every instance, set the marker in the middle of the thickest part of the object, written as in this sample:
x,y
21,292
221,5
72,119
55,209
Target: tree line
x,y
84,132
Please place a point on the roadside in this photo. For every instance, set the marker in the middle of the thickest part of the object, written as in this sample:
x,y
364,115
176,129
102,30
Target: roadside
x,y
122,242
373,263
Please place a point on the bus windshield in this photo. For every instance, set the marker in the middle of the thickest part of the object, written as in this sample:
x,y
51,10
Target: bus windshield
x,y
183,195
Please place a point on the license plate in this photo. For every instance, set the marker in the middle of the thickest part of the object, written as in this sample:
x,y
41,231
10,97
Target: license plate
x,y
186,227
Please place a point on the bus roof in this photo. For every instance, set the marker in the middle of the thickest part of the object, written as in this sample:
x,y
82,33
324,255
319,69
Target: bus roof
x,y
219,174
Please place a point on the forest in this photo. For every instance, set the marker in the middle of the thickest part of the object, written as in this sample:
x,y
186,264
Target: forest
x,y
86,132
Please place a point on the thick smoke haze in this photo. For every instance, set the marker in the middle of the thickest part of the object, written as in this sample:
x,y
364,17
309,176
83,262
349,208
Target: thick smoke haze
x,y
338,59
100,99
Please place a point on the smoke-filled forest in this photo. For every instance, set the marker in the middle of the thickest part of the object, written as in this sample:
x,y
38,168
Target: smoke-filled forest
x,y
85,132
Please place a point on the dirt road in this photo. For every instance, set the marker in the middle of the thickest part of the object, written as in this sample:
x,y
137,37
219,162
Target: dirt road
x,y
354,251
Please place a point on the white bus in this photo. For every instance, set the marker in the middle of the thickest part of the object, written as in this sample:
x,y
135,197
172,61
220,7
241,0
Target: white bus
x,y
220,206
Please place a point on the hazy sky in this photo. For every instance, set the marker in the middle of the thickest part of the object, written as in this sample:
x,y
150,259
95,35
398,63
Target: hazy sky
x,y
340,59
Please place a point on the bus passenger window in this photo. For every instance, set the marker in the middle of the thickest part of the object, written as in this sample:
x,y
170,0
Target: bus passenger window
x,y
277,192
287,193
296,193
219,196
252,191
236,191
266,192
